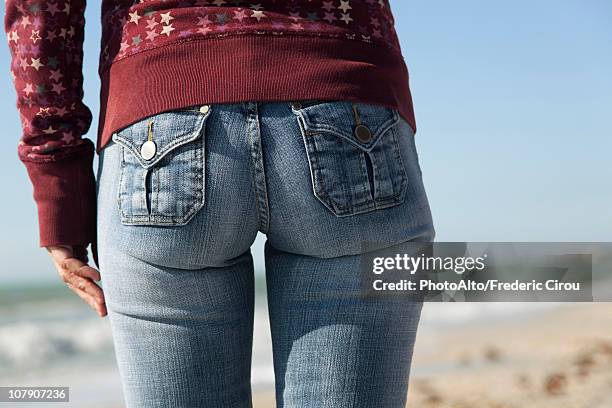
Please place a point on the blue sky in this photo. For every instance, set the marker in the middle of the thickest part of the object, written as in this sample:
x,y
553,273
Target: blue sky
x,y
514,112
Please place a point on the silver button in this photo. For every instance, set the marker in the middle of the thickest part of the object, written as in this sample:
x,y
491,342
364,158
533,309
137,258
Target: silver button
x,y
204,109
148,149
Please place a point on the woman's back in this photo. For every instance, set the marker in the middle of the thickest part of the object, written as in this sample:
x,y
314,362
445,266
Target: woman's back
x,y
184,53
220,120
159,55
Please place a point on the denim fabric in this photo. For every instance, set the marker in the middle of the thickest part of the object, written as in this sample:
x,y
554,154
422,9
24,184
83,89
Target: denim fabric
x,y
168,188
174,238
352,176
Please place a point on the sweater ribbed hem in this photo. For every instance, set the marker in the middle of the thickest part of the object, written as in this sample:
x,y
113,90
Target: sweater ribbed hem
x,y
253,67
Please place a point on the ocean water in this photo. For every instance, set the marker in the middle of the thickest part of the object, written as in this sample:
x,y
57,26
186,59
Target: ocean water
x,y
49,337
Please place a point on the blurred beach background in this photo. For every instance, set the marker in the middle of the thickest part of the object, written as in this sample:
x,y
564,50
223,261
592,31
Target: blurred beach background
x,y
513,103
467,355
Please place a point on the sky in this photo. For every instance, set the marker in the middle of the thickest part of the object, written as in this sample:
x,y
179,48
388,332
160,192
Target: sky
x,y
513,103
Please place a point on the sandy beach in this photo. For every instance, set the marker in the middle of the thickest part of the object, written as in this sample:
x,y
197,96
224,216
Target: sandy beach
x,y
467,355
559,358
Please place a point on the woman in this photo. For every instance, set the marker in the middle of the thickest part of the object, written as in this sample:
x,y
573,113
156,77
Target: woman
x,y
220,119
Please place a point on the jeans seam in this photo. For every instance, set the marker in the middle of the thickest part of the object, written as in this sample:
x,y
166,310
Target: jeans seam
x,y
257,167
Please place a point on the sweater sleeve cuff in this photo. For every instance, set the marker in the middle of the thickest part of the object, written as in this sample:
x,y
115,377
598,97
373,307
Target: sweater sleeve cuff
x,y
65,194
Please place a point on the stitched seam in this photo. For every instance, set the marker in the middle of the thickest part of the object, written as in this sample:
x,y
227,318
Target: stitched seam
x,y
316,128
401,161
313,176
257,145
155,208
131,146
317,179
121,177
252,171
164,219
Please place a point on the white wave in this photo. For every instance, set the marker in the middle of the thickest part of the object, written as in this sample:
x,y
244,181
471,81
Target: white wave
x,y
28,344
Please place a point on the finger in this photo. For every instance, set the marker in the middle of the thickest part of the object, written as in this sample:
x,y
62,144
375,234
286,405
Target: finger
x,y
79,268
71,263
99,308
88,291
87,286
87,271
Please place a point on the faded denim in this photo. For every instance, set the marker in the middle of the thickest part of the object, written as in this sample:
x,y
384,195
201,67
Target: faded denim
x,y
174,238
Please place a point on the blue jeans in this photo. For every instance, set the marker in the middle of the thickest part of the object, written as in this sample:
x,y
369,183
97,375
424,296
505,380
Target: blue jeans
x,y
177,218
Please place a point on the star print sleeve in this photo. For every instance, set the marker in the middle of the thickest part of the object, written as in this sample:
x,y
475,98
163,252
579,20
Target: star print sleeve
x,y
46,43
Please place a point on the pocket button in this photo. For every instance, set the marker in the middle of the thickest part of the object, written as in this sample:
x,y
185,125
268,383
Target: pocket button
x,y
148,149
363,134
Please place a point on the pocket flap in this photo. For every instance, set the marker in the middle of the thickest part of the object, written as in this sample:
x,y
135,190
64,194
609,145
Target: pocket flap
x,y
338,117
168,131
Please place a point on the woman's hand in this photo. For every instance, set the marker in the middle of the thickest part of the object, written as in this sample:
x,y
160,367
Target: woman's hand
x,y
71,264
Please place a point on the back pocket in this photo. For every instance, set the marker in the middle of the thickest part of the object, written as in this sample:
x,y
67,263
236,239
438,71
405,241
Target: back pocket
x,y
162,167
354,156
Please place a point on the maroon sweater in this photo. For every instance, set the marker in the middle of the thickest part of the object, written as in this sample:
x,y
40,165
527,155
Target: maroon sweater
x,y
158,55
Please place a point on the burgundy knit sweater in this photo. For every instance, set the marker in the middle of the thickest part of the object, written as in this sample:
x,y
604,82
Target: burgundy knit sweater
x,y
157,55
